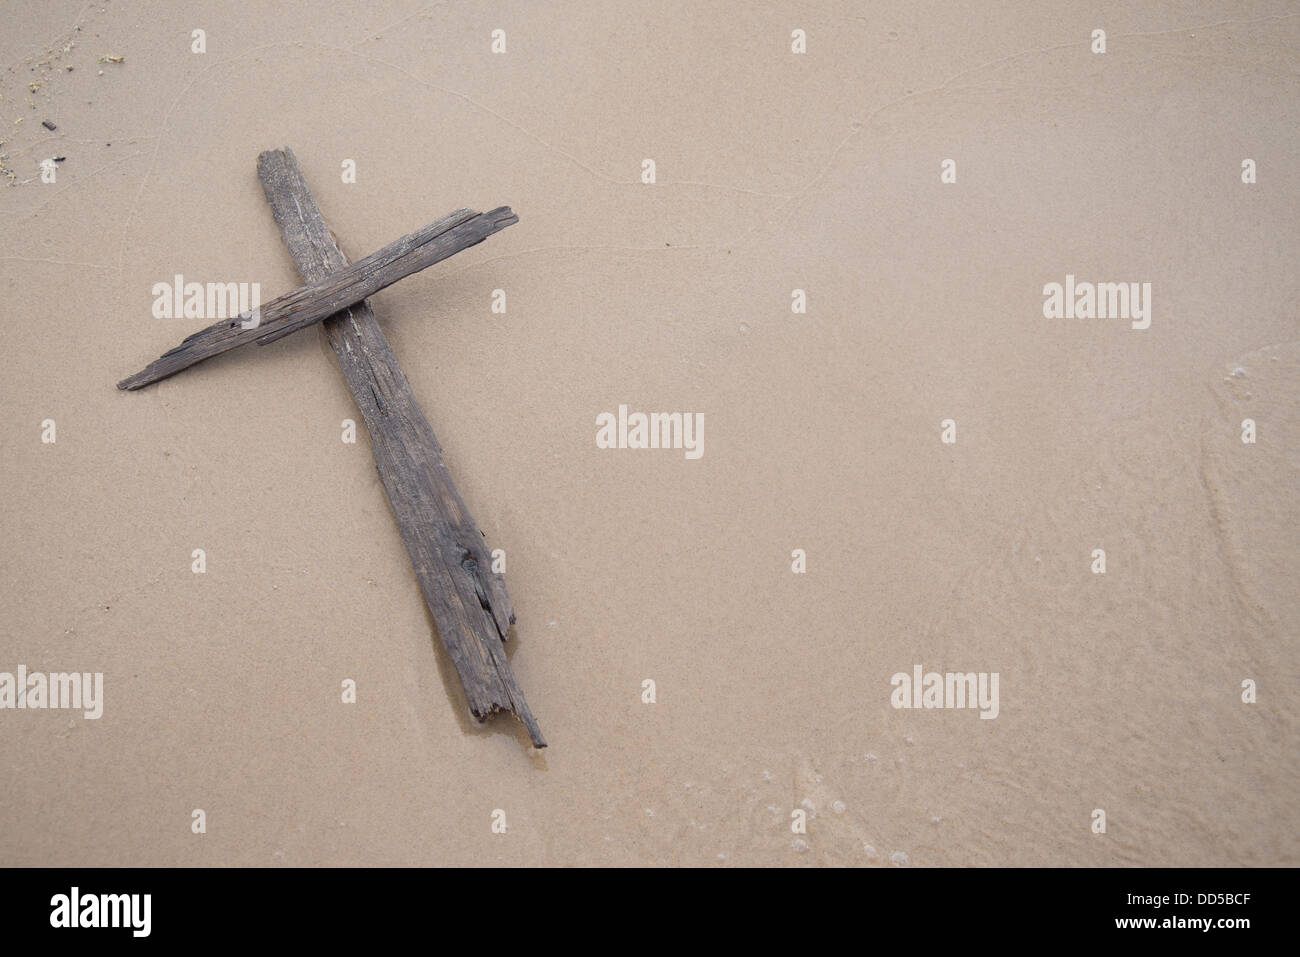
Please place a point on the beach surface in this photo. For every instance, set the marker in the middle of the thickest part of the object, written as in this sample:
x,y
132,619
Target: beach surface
x,y
917,470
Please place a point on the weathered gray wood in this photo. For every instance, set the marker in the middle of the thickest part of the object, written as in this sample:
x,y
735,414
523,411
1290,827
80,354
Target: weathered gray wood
x,y
451,559
337,290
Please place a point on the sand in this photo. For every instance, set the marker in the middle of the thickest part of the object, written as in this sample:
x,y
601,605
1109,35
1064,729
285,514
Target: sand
x,y
775,171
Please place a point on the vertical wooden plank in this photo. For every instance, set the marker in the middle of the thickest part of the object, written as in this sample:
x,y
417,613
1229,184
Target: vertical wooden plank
x,y
451,559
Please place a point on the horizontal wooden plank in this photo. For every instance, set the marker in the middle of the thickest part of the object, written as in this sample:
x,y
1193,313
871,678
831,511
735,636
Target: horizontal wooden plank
x,y
337,290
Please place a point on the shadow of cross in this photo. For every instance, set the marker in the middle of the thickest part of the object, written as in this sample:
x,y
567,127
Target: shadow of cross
x,y
451,560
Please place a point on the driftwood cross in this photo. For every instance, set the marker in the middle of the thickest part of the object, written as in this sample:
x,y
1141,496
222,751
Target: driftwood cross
x,y
451,559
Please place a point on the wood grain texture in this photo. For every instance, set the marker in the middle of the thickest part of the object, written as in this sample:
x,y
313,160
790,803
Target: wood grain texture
x,y
451,558
332,292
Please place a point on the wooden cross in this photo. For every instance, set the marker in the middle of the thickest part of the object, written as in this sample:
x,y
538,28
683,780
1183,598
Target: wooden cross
x,y
447,549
